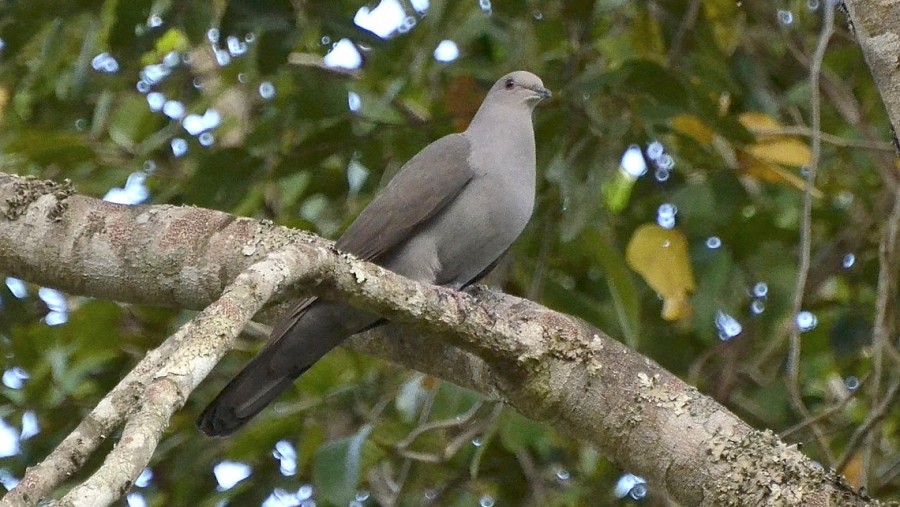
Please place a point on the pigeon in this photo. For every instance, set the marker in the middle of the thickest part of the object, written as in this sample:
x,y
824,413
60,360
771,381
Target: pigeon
x,y
445,218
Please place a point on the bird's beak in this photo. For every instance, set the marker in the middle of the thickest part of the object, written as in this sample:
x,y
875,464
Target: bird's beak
x,y
542,92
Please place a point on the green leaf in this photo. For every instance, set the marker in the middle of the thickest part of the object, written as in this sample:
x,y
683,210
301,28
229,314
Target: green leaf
x,y
617,191
621,286
517,431
132,122
379,109
223,178
452,400
47,148
651,78
714,279
337,465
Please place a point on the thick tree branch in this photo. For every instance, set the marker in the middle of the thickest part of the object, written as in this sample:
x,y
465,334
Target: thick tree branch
x,y
877,29
549,366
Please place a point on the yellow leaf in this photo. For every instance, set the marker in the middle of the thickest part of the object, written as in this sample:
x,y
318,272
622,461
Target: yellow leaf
x,y
647,39
727,23
782,150
677,308
693,127
853,470
759,159
772,173
660,256
758,121
172,40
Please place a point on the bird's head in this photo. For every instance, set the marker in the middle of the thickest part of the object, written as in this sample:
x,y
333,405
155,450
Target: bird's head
x,y
519,87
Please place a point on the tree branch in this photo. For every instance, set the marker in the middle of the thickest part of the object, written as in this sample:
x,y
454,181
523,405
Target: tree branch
x,y
155,388
793,359
877,29
549,366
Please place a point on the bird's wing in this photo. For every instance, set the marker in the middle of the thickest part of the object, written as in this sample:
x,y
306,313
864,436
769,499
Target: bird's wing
x,y
422,188
287,321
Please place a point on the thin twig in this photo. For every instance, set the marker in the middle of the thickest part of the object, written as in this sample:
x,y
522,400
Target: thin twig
x,y
837,407
832,139
535,481
890,472
793,363
309,60
882,331
443,423
686,26
424,414
889,265
874,418
455,445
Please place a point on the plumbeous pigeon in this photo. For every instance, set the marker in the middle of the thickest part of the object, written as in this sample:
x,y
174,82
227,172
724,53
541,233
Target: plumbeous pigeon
x,y
446,218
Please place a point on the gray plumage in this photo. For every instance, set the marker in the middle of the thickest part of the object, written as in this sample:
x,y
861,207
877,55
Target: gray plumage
x,y
445,218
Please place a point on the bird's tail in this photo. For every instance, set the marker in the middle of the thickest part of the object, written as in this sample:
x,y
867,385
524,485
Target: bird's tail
x,y
246,395
307,334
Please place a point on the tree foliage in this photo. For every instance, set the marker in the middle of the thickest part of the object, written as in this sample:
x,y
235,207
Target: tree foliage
x,y
91,91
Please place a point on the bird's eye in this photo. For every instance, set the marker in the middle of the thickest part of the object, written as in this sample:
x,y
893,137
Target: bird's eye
x,y
509,84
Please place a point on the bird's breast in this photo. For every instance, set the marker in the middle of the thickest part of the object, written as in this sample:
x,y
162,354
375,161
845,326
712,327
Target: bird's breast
x,y
485,219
